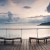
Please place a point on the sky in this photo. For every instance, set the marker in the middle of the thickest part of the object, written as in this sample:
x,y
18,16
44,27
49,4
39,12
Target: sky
x,y
25,11
25,8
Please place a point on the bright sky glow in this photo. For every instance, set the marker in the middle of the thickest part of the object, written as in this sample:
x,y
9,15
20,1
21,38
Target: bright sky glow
x,y
37,7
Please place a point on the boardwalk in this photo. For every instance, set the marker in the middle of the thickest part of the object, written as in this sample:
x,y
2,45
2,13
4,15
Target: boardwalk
x,y
25,46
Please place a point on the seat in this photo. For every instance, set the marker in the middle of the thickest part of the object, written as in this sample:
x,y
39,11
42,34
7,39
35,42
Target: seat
x,y
37,39
5,39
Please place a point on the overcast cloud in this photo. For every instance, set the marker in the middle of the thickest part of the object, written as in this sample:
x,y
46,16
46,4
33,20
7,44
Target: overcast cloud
x,y
48,8
3,2
28,2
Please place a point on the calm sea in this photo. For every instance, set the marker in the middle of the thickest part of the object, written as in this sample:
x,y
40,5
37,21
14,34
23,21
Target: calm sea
x,y
25,34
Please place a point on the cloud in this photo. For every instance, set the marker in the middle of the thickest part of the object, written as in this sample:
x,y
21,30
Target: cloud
x,y
23,1
32,21
47,19
27,7
43,20
10,19
3,2
48,8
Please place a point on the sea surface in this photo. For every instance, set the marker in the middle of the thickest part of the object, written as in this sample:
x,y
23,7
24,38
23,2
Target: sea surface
x,y
26,32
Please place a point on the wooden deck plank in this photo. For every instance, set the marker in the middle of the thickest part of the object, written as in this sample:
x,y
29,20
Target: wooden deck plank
x,y
30,47
44,47
41,47
25,45
22,45
47,46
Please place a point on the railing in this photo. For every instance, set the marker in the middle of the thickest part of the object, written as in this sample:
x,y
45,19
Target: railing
x,y
13,32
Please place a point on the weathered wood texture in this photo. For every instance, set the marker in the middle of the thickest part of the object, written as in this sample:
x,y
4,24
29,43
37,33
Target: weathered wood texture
x,y
25,45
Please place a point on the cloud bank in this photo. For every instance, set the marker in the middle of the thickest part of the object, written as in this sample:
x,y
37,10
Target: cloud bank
x,y
48,8
27,7
28,2
3,2
8,18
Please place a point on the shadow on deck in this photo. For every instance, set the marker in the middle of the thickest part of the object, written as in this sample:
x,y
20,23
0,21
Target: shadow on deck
x,y
25,45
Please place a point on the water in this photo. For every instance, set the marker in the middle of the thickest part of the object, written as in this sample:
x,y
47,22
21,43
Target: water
x,y
25,33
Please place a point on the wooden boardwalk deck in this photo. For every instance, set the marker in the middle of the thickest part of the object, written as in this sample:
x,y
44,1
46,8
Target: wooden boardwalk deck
x,y
25,46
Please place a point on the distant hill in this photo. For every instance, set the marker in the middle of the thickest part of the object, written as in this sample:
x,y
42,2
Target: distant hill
x,y
47,23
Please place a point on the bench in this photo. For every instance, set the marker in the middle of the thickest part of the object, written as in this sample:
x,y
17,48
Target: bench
x,y
37,39
5,39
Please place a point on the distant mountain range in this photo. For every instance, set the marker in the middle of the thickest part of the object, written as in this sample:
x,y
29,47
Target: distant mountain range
x,y
47,23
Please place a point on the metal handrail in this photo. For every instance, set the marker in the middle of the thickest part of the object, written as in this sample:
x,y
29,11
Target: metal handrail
x,y
22,29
